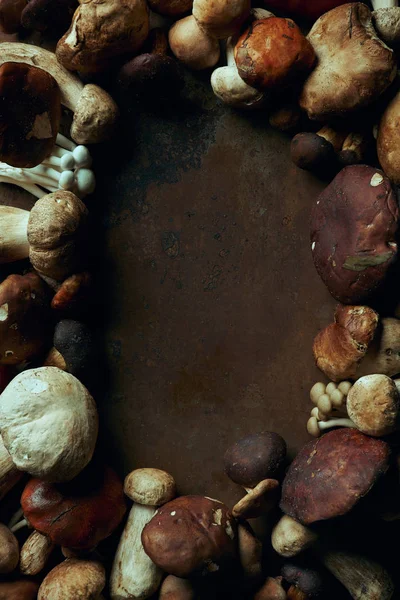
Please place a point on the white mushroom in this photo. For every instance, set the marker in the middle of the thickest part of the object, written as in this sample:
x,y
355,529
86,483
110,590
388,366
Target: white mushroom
x,y
193,46
289,537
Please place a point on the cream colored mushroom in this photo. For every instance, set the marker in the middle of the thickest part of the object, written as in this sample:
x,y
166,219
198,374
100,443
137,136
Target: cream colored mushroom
x,y
74,578
9,551
49,423
289,537
35,553
221,18
95,112
192,46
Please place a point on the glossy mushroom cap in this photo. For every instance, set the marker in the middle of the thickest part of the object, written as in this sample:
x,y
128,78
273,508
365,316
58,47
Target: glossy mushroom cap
x,y
25,323
10,15
47,15
273,53
77,515
354,226
191,535
255,457
348,464
171,8
19,590
30,113
83,579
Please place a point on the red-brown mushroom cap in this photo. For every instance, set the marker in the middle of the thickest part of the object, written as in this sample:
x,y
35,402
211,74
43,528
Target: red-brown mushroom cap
x,y
273,53
78,514
191,535
30,113
10,15
354,225
331,474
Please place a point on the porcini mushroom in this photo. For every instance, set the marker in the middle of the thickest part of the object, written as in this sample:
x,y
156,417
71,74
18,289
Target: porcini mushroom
x,y
316,151
355,148
47,15
19,590
353,233
9,550
354,66
95,112
191,535
14,240
387,142
223,18
73,348
35,553
258,501
49,423
72,295
175,588
193,46
9,474
134,574
273,53
348,464
289,537
91,44
10,15
74,578
271,590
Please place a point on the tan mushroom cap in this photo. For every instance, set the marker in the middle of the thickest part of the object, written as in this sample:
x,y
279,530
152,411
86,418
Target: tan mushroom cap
x,y
221,18
289,537
258,500
9,550
151,487
19,590
373,404
74,579
387,143
175,588
192,46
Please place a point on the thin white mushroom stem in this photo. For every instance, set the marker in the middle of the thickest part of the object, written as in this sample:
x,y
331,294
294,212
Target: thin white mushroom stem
x,y
65,143
15,518
20,525
384,4
316,427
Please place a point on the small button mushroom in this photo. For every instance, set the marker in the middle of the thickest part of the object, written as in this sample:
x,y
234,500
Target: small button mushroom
x,y
9,551
222,18
74,578
259,500
348,464
49,16
192,46
357,215
24,318
19,590
289,537
353,69
271,590
175,588
91,45
191,535
56,234
134,574
35,553
10,15
317,151
305,583
273,53
73,348
9,474
49,423
73,294
171,8
78,514
250,552
30,113
14,240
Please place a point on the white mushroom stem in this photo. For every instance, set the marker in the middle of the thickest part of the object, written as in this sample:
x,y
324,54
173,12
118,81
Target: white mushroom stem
x,y
315,427
20,525
384,4
9,474
35,554
17,516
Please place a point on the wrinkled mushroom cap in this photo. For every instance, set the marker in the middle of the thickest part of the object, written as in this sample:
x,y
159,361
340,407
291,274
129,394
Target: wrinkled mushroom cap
x,y
49,423
83,579
30,113
152,487
9,550
273,53
373,403
222,18
354,66
255,457
191,535
192,46
387,24
95,116
347,464
56,228
353,233
171,8
44,15
339,348
19,590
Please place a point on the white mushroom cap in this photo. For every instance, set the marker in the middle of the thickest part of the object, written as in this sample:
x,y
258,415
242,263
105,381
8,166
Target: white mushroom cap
x,y
373,404
49,423
74,579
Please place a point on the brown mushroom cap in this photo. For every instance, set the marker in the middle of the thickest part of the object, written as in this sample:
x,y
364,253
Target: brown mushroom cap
x,y
330,475
9,550
387,142
310,151
222,18
44,15
19,590
273,53
353,233
255,457
373,403
24,318
175,588
339,348
171,8
83,579
191,535
152,487
354,66
95,116
192,46
56,231
271,590
30,113
10,15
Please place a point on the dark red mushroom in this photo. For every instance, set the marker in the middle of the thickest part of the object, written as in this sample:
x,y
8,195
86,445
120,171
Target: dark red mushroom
x,y
54,16
30,113
79,514
331,474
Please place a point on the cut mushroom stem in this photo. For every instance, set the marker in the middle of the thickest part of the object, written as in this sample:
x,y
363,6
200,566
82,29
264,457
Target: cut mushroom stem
x,y
9,474
35,554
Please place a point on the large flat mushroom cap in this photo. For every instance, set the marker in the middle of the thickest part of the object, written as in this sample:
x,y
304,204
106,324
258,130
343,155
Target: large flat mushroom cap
x,y
354,65
331,474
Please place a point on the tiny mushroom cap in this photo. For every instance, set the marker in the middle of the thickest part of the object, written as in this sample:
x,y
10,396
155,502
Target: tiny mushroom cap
x,y
78,514
44,15
222,18
348,464
255,457
176,588
10,15
357,215
250,552
73,578
258,500
24,318
271,590
9,550
306,581
387,24
289,537
49,423
74,348
19,590
373,404
95,116
151,487
192,46
191,535
56,234
30,113
171,8
273,53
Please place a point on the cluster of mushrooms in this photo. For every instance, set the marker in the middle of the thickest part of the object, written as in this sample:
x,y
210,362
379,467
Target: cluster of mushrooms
x,y
338,84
